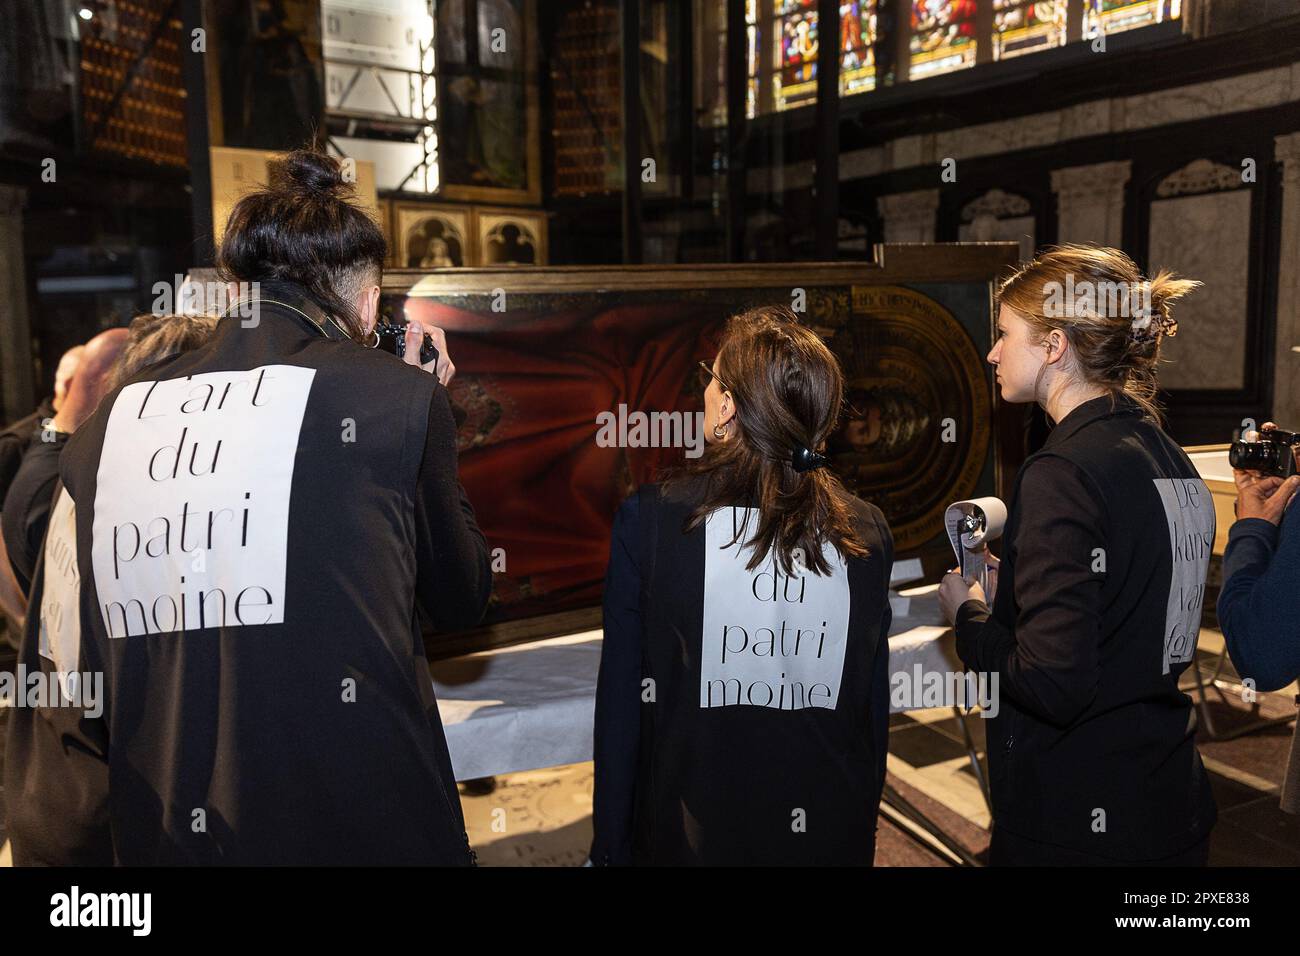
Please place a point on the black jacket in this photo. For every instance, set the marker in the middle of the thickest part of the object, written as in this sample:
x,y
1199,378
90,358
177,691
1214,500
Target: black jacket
x,y
255,523
26,508
770,753
16,439
1096,615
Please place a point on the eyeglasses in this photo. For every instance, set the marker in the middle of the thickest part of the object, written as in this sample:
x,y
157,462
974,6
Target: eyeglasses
x,y
707,374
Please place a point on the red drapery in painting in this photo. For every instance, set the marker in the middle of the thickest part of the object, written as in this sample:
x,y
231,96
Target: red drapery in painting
x,y
532,384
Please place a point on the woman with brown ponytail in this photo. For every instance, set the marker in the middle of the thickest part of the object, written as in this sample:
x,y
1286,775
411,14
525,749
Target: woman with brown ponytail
x,y
1092,754
742,706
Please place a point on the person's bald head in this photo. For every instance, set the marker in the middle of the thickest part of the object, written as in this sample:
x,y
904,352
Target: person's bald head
x,y
99,354
93,378
64,372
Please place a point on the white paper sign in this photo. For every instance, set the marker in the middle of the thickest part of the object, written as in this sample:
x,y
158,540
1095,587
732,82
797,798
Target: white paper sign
x,y
192,507
770,640
1189,510
60,633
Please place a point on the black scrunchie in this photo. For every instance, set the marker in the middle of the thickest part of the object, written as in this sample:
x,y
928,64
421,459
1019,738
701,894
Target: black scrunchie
x,y
805,459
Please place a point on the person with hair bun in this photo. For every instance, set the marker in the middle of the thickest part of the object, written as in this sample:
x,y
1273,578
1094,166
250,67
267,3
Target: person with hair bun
x,y
742,705
1097,598
261,524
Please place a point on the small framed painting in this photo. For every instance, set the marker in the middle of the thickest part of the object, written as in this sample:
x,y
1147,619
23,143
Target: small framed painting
x,y
510,237
430,236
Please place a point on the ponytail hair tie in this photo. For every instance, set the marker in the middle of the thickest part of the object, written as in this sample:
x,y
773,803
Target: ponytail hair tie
x,y
805,459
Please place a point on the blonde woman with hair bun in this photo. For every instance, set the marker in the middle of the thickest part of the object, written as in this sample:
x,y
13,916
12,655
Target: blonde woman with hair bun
x,y
1097,599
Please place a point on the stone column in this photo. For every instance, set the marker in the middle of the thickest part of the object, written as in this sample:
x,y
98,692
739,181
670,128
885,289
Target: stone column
x,y
1286,369
17,394
1090,203
909,217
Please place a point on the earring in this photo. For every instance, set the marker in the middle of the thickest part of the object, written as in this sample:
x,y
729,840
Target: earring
x,y
366,343
719,431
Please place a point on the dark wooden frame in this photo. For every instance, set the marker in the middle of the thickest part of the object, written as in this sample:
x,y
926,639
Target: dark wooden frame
x,y
1035,188
1193,417
1200,416
532,193
630,26
892,263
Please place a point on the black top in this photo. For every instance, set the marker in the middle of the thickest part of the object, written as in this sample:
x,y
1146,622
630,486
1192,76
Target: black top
x,y
15,439
255,522
741,717
1096,615
26,508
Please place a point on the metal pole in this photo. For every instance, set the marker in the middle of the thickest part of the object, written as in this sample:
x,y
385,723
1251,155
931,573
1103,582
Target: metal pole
x,y
827,180
737,80
630,15
196,133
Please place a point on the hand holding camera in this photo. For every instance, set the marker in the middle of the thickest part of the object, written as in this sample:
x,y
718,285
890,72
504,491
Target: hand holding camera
x,y
1265,472
416,345
1270,451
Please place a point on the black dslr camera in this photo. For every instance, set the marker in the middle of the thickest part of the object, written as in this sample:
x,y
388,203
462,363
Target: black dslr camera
x,y
392,338
1273,454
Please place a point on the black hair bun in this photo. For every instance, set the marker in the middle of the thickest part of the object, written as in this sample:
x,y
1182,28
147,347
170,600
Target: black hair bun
x,y
309,174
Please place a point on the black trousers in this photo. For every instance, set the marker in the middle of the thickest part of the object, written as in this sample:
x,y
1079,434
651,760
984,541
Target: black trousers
x,y
1007,849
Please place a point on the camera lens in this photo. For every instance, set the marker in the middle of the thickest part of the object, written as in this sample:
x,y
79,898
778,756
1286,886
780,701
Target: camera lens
x,y
1254,455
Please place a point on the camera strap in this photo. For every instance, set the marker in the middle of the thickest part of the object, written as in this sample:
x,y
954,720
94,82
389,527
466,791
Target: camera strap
x,y
327,326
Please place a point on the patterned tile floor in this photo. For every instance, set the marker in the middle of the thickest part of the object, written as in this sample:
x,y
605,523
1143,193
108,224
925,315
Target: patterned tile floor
x,y
543,817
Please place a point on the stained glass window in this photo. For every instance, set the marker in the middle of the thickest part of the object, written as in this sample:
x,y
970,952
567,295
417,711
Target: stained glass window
x,y
794,33
951,35
857,55
752,57
943,36
1116,16
940,36
1020,26
783,42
